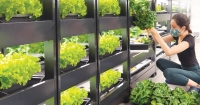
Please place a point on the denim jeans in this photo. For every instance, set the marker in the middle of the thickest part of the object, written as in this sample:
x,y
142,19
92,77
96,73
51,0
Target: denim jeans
x,y
178,74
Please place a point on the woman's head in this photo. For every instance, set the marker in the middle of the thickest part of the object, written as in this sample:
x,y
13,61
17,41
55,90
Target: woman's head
x,y
180,22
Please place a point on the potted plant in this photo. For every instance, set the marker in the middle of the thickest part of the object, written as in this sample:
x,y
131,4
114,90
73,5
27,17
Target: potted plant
x,y
72,8
109,78
108,44
71,54
19,9
135,32
17,68
109,7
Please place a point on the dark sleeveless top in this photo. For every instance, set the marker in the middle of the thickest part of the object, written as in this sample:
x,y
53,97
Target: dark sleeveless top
x,y
188,57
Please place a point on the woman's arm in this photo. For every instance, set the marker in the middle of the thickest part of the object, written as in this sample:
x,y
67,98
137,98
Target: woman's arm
x,y
169,51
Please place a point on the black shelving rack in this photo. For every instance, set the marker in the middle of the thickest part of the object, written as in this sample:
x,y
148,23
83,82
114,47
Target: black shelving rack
x,y
52,28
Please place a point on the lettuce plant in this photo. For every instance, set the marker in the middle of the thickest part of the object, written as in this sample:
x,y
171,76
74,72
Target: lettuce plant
x,y
108,44
109,78
9,8
109,6
71,53
17,68
73,96
72,7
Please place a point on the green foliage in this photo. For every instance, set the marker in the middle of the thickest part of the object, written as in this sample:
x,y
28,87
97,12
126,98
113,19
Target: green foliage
x,y
17,68
145,18
135,32
147,92
27,48
36,47
108,44
142,93
109,78
72,7
109,6
80,38
73,96
71,53
158,8
117,32
9,8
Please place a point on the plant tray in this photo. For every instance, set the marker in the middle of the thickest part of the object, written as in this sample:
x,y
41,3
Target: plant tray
x,y
17,87
140,46
69,67
86,101
15,19
108,55
107,90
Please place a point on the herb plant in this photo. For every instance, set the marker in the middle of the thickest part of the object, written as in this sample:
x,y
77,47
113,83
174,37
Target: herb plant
x,y
17,68
109,78
145,18
108,44
73,96
109,6
72,7
9,8
71,53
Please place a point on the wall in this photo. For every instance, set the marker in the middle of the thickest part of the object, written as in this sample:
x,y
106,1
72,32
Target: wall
x,y
195,16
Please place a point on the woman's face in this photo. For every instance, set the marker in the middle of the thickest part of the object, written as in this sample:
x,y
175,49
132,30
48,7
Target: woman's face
x,y
175,26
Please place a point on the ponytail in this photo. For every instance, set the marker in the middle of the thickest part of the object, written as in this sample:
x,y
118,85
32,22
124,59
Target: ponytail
x,y
189,30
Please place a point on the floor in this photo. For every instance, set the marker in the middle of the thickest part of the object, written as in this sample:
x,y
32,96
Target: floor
x,y
159,78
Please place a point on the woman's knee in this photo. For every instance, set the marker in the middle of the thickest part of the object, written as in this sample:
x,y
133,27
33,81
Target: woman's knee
x,y
168,73
159,63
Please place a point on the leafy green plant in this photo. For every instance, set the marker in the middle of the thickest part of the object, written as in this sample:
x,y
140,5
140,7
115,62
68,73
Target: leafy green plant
x,y
108,44
147,92
135,32
27,48
117,32
145,18
109,6
72,7
145,40
109,78
17,68
71,53
73,96
9,8
142,93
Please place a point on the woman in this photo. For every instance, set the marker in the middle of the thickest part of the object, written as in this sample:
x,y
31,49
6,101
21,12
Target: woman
x,y
188,73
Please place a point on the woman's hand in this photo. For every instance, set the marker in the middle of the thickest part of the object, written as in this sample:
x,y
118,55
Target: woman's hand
x,y
152,31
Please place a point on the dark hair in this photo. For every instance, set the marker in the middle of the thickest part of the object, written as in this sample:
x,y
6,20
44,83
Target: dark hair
x,y
182,20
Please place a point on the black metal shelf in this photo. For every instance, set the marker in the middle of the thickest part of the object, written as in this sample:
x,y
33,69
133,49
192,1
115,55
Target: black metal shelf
x,y
38,93
119,91
148,71
141,57
83,73
13,34
111,23
73,27
113,61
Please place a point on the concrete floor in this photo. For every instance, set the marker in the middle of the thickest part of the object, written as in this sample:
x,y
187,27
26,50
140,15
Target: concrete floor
x,y
159,78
